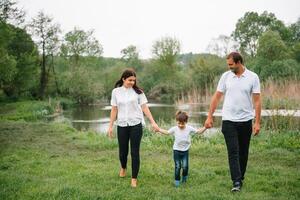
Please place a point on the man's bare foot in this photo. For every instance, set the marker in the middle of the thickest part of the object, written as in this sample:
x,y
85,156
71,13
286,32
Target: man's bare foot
x,y
122,173
133,182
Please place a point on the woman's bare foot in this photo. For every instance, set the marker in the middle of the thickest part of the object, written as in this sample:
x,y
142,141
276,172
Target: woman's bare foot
x,y
133,182
122,173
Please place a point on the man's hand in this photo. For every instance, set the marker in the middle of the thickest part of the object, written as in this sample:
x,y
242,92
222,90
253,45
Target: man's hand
x,y
208,122
256,128
110,132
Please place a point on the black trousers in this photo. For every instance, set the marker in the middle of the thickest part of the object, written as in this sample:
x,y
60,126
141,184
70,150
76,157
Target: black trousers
x,y
237,137
134,135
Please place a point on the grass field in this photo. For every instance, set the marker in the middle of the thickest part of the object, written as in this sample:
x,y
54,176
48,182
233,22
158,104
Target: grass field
x,y
53,161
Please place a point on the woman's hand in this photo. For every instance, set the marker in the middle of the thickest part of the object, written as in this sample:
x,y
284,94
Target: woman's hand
x,y
155,127
110,132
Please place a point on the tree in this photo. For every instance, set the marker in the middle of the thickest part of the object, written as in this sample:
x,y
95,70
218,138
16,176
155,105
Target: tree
x,y
80,43
295,31
9,13
272,47
203,70
18,58
250,27
46,33
130,55
166,50
222,45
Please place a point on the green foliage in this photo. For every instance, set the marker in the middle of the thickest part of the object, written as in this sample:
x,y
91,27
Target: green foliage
x,y
252,25
166,50
130,55
81,85
80,43
272,47
26,110
203,70
18,61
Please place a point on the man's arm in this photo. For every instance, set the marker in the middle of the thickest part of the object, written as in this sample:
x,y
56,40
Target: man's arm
x,y
213,105
257,107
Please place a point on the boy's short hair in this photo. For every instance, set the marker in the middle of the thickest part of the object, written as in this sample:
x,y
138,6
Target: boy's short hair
x,y
181,116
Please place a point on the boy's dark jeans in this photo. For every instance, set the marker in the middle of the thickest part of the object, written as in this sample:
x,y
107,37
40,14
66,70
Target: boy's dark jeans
x,y
181,160
237,137
134,135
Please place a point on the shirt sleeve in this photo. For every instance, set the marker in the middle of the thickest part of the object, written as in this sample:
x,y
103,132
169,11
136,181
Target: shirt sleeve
x,y
172,130
192,130
221,84
256,85
142,99
113,101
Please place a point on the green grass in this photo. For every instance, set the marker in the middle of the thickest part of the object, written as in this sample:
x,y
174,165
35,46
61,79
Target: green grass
x,y
53,161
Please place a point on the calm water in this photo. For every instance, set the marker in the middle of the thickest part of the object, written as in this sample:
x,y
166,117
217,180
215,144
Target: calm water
x,y
96,118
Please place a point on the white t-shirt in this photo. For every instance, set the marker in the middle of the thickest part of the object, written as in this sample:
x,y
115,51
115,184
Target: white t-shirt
x,y
238,106
182,137
129,105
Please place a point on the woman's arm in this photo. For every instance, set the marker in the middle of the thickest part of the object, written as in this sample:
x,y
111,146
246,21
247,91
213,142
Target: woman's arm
x,y
148,114
113,117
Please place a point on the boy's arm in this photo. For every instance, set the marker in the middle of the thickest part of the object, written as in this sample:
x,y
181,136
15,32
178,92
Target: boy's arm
x,y
163,131
201,130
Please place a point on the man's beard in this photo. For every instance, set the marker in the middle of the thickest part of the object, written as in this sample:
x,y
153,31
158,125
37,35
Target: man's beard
x,y
234,70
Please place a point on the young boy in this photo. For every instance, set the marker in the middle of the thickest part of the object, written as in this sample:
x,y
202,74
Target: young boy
x,y
182,133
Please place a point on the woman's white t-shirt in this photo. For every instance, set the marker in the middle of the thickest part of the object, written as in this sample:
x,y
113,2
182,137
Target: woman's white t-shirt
x,y
129,105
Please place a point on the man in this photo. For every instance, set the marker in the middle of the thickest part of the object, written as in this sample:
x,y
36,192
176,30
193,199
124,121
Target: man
x,y
241,88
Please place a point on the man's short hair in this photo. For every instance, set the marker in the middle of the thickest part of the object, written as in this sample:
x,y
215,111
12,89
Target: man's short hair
x,y
236,57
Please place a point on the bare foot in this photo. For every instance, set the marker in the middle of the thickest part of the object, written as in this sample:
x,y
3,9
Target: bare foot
x,y
122,173
133,182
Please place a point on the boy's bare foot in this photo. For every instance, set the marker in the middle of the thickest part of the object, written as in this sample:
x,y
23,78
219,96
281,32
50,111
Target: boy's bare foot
x,y
122,173
133,182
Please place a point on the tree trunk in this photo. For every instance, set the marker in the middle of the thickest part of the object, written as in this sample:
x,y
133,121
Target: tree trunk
x,y
43,80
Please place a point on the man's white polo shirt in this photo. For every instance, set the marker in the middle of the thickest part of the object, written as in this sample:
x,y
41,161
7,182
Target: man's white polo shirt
x,y
238,106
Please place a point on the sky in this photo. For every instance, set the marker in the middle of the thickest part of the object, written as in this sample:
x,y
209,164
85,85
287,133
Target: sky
x,y
120,23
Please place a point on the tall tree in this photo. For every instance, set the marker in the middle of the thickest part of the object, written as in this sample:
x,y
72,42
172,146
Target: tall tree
x,y
222,45
10,13
252,25
46,33
18,61
166,50
130,55
80,43
272,47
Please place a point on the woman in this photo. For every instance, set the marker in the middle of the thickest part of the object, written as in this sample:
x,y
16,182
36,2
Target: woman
x,y
128,105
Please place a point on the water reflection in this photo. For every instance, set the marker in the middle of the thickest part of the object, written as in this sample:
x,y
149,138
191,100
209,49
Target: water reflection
x,y
96,118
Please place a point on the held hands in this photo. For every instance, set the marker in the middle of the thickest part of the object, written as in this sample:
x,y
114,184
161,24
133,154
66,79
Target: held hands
x,y
208,122
155,127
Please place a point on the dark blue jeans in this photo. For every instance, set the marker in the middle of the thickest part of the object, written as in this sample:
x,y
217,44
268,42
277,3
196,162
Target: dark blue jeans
x,y
181,160
237,137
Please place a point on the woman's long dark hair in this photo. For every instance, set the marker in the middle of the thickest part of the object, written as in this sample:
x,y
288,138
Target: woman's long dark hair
x,y
127,73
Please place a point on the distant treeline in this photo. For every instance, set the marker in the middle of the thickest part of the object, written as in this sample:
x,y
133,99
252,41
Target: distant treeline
x,y
37,60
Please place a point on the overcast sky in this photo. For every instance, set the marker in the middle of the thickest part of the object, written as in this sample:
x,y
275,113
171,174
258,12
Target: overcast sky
x,y
120,23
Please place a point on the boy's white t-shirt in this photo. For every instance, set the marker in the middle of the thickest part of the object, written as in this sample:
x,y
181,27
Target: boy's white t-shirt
x,y
182,137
